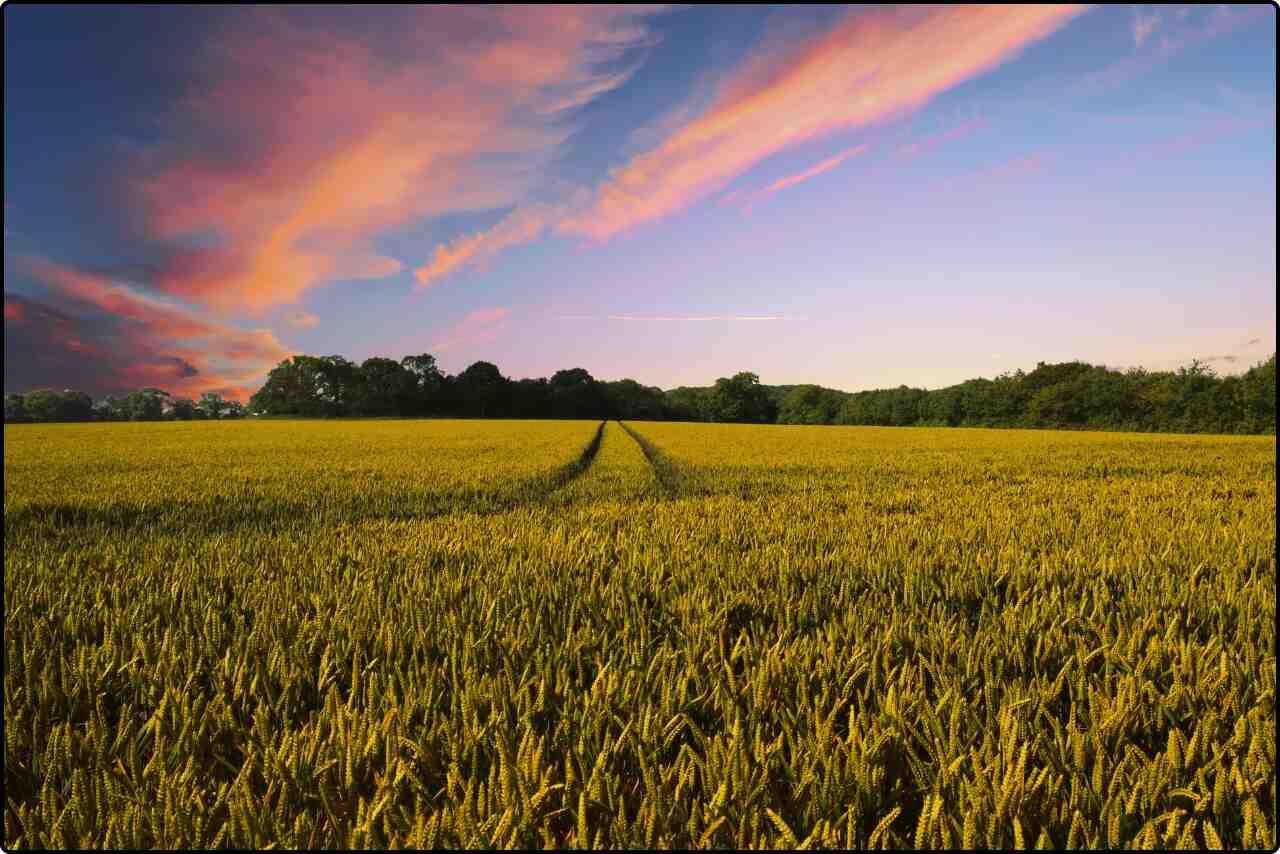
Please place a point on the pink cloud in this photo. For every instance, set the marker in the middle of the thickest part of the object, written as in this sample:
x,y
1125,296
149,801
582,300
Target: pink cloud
x,y
480,325
146,340
298,146
520,226
1021,166
1008,170
1209,132
872,67
935,141
666,318
14,312
302,320
1144,24
808,174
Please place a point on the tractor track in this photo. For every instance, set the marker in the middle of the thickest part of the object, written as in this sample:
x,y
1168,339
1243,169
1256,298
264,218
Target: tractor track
x,y
670,479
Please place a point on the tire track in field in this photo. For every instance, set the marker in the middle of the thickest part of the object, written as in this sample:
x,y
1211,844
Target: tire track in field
x,y
670,478
567,474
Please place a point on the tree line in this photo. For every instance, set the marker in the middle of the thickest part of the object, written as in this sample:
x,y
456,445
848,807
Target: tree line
x,y
147,404
1066,395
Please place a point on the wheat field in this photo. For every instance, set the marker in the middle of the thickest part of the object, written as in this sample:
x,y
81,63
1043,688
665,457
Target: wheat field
x,y
304,634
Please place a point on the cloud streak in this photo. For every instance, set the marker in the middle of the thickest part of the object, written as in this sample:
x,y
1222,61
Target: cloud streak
x,y
680,317
935,141
1144,24
477,326
812,172
872,67
302,320
521,226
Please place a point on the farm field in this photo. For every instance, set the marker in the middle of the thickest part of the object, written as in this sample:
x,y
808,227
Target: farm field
x,y
561,633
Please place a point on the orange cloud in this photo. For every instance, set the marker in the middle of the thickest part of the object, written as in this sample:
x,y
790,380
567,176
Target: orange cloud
x,y
299,146
872,67
145,341
520,226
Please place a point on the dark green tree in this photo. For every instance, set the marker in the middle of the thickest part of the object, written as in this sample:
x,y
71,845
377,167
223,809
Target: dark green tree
x,y
147,404
809,404
292,388
576,394
15,410
430,384
740,398
212,405
481,389
184,409
386,388
47,405
629,400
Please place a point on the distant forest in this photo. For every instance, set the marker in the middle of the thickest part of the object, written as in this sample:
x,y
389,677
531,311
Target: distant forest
x,y
1068,395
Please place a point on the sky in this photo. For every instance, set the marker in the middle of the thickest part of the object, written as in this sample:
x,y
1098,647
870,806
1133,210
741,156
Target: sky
x,y
859,197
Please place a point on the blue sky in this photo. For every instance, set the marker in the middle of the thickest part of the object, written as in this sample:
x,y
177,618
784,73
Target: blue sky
x,y
858,197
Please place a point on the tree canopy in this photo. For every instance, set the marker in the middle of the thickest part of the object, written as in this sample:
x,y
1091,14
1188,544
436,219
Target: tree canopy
x,y
1066,395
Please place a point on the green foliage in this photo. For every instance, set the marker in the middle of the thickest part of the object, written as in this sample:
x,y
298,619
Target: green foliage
x,y
15,410
49,405
1075,395
212,405
184,409
528,634
1070,395
810,404
740,399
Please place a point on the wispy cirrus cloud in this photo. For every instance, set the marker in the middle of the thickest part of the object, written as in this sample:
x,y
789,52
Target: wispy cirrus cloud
x,y
1158,39
812,172
1001,172
1209,132
298,146
477,326
1144,24
680,317
934,141
521,226
112,336
871,67
302,320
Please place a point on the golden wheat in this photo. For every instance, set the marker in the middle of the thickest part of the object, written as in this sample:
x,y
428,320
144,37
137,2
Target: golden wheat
x,y
544,634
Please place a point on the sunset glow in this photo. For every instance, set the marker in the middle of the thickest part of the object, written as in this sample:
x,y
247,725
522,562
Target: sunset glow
x,y
192,195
